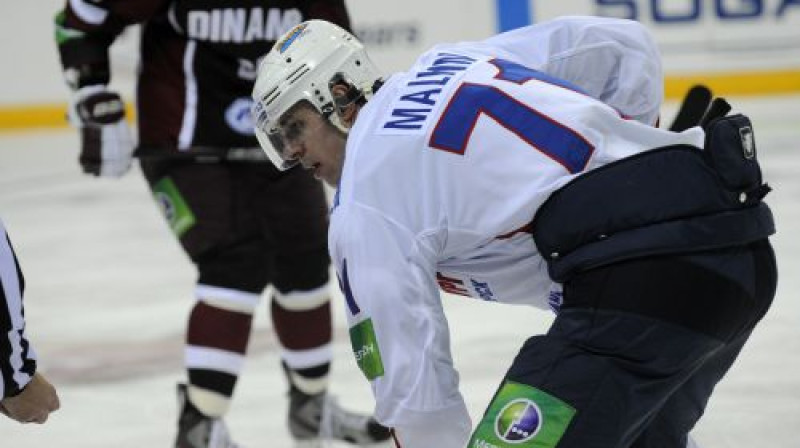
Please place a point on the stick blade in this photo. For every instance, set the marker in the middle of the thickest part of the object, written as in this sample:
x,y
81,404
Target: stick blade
x,y
692,109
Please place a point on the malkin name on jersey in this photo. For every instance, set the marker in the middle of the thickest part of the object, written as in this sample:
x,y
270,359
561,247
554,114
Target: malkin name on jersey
x,y
241,25
420,94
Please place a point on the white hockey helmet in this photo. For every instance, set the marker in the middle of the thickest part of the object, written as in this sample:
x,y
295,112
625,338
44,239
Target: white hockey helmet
x,y
302,66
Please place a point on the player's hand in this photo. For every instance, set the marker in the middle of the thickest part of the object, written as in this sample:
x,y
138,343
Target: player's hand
x,y
34,404
106,139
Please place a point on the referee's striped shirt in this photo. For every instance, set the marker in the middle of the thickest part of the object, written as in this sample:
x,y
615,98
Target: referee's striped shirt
x,y
17,358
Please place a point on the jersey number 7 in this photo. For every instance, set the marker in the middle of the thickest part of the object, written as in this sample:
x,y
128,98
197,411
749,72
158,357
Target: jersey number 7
x,y
543,133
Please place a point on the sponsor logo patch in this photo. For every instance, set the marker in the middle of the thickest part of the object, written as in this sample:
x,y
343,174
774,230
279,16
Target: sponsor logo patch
x,y
173,206
483,290
555,299
522,416
365,349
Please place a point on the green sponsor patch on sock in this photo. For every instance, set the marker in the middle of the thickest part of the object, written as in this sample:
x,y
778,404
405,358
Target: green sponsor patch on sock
x,y
365,349
522,416
178,214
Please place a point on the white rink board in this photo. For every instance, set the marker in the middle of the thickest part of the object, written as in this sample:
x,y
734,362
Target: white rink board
x,y
696,36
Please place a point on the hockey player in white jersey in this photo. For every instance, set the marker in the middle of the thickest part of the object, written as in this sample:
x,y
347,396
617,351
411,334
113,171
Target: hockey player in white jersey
x,y
527,169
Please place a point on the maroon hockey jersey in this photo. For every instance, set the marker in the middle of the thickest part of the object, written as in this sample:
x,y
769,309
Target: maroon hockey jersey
x,y
198,60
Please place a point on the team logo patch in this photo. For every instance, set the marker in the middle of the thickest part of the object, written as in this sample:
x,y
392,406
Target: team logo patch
x,y
522,416
748,142
239,117
293,35
173,206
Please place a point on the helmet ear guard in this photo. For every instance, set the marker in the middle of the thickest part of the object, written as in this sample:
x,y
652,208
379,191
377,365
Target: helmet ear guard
x,y
305,64
353,95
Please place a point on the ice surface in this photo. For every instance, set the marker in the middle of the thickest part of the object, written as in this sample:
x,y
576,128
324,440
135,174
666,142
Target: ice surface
x,y
108,291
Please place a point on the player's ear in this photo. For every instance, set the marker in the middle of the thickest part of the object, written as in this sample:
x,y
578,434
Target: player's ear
x,y
347,113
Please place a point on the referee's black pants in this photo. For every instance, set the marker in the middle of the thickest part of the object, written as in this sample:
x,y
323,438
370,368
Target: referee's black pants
x,y
639,345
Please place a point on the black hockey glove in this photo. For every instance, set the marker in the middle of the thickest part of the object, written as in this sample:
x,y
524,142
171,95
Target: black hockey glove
x,y
106,140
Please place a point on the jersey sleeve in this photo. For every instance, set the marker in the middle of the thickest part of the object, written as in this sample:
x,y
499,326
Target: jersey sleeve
x,y
17,358
84,30
398,330
614,60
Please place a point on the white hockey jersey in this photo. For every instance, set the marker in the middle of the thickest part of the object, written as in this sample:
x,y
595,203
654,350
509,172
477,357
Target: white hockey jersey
x,y
444,169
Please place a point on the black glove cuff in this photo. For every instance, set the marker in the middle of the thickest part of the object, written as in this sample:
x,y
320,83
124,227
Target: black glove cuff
x,y
101,108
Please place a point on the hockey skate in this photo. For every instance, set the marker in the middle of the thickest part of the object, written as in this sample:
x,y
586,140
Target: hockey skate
x,y
318,420
196,430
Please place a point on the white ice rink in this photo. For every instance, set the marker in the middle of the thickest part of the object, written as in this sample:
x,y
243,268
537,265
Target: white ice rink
x,y
108,291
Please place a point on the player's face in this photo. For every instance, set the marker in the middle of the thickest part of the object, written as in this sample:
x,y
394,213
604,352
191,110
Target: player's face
x,y
315,142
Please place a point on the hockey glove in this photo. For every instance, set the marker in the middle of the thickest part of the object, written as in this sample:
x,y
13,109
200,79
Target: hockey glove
x,y
106,139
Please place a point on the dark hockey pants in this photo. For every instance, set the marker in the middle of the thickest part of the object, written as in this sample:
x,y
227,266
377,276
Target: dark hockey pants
x,y
639,346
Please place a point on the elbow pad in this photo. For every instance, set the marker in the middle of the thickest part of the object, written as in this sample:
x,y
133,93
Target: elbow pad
x,y
84,56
